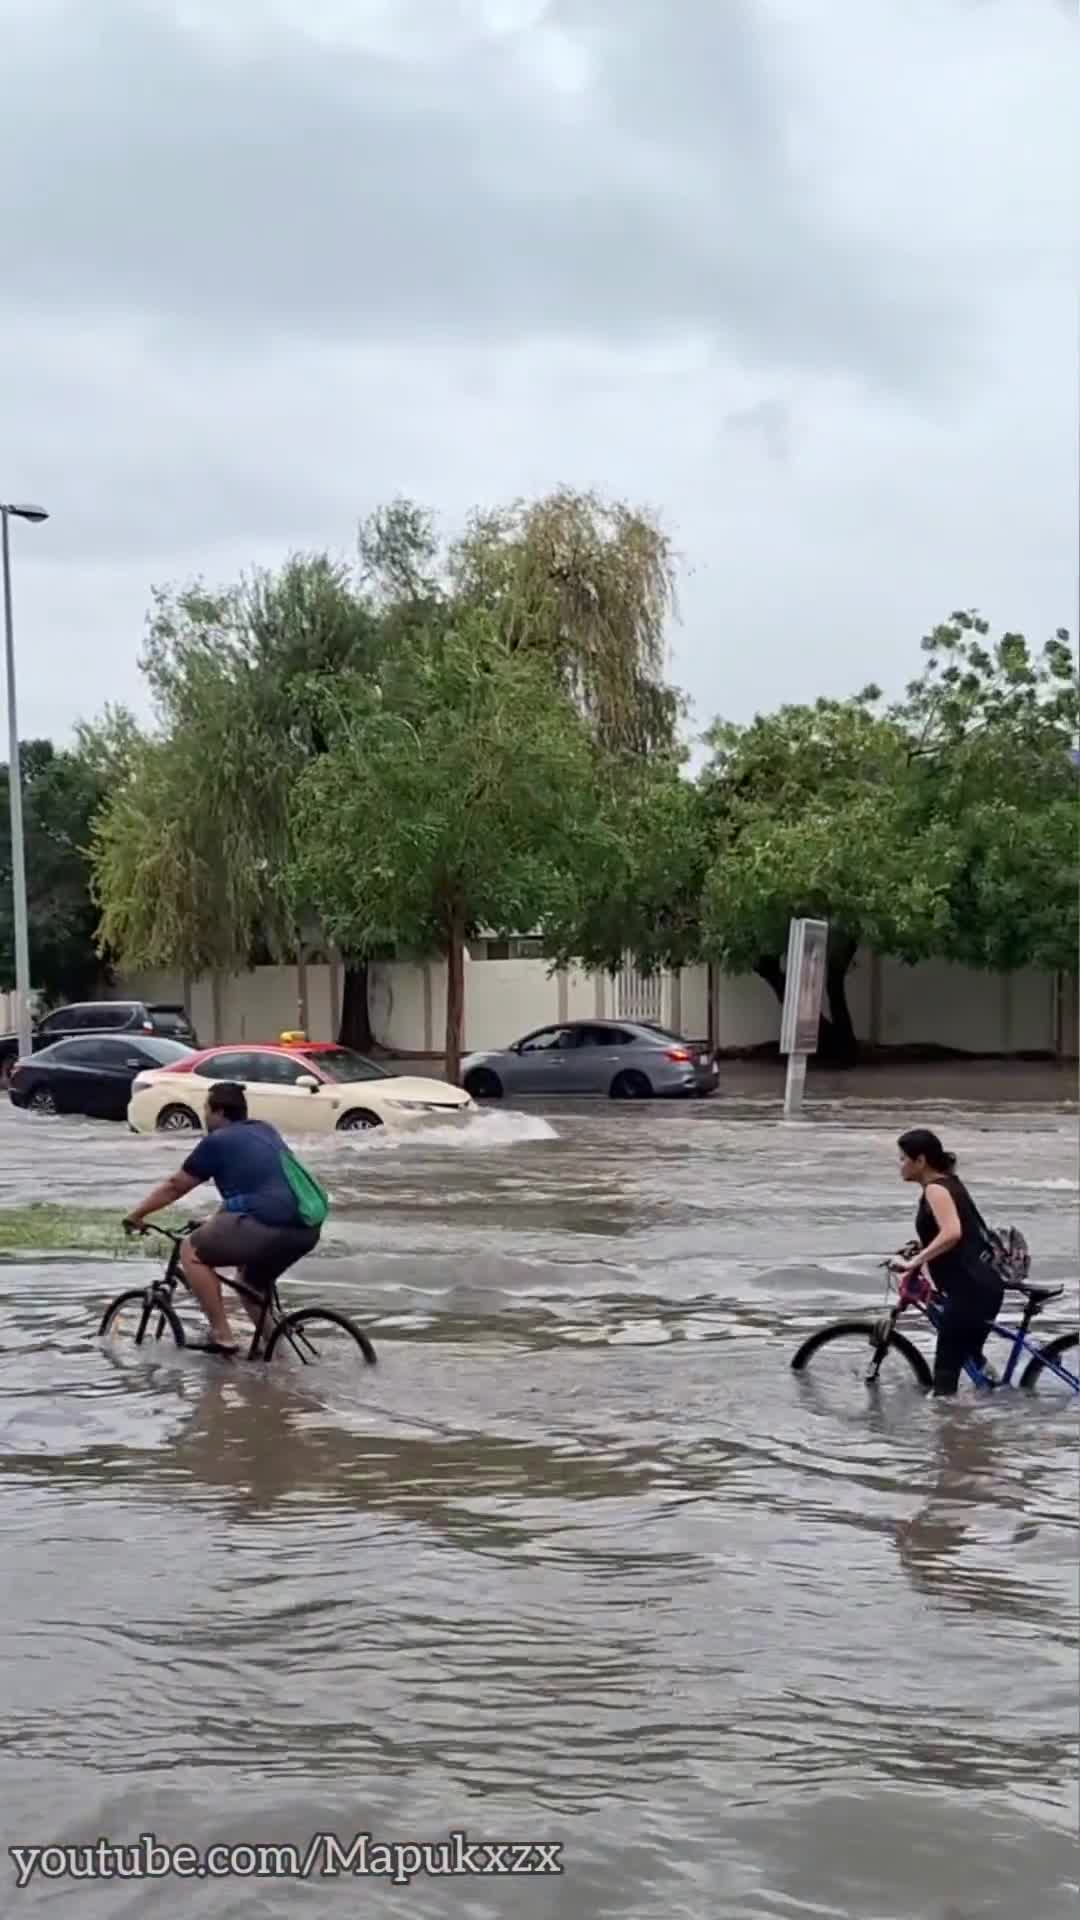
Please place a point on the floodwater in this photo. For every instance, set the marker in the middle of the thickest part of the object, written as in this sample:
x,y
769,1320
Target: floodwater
x,y
579,1563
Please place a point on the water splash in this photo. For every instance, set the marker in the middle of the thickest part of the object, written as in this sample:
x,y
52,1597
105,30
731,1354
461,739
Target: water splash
x,y
483,1132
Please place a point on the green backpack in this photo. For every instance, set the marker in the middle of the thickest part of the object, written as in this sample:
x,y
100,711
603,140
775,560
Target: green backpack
x,y
313,1201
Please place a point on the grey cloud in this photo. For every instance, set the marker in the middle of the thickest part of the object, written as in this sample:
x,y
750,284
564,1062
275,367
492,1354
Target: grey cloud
x,y
254,280
285,188
768,420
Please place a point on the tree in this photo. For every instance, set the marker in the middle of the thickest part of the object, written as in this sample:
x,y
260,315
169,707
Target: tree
x,y
992,728
461,786
806,812
590,584
944,826
642,892
62,794
191,854
108,745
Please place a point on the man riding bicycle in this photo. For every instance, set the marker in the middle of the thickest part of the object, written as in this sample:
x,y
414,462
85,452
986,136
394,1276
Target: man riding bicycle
x,y
258,1230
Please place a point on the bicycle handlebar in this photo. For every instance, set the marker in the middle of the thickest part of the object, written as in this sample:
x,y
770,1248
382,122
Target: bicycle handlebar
x,y
167,1233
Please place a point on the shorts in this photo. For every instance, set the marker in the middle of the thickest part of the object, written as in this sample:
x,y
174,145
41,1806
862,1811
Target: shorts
x,y
264,1253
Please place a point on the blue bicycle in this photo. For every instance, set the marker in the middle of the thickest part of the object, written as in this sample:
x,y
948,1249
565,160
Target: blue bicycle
x,y
895,1360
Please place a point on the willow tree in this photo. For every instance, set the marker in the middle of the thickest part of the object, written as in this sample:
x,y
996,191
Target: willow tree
x,y
191,853
590,584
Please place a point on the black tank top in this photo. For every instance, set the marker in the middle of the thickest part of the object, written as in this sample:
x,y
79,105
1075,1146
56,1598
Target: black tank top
x,y
961,1268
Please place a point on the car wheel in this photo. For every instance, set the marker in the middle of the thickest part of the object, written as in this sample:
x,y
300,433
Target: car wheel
x,y
177,1120
41,1101
483,1085
631,1086
358,1121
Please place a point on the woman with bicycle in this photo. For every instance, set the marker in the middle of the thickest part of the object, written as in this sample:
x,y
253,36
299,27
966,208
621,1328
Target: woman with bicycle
x,y
954,1248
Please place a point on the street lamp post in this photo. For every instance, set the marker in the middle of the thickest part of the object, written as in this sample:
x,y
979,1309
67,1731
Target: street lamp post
x,y
18,855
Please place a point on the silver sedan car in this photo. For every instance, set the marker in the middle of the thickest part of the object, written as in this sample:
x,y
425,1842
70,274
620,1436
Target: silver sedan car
x,y
623,1059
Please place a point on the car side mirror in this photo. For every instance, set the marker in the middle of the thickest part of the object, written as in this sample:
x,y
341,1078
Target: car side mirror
x,y
306,1080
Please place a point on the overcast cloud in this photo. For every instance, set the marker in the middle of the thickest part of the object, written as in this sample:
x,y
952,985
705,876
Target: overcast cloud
x,y
797,274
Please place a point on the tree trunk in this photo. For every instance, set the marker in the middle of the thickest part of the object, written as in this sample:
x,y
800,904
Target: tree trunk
x,y
838,1044
455,995
770,969
355,1028
843,1048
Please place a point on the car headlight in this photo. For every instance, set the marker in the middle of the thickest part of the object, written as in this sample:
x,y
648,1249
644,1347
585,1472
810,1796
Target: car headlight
x,y
424,1106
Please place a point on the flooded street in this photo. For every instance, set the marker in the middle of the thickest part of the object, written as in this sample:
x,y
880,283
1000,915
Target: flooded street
x,y
580,1562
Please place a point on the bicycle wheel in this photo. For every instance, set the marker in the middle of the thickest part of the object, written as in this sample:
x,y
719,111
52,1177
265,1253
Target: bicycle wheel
x,y
137,1317
1038,1375
319,1333
842,1358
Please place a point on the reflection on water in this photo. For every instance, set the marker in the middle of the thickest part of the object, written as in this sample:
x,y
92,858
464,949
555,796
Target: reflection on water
x,y
580,1561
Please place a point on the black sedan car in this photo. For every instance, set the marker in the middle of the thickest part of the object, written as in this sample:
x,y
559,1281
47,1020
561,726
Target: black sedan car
x,y
164,1018
90,1076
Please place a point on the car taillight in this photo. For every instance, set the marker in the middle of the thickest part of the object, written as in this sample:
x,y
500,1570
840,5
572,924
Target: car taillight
x,y
679,1053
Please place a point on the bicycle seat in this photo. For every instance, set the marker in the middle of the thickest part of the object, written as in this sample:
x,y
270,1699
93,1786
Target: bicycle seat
x,y
1036,1294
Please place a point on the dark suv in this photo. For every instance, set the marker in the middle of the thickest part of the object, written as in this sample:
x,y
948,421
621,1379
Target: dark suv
x,y
166,1018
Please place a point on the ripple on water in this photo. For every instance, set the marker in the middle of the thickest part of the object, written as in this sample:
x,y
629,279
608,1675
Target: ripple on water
x,y
579,1560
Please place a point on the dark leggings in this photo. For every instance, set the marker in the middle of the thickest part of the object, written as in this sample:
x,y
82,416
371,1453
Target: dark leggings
x,y
965,1322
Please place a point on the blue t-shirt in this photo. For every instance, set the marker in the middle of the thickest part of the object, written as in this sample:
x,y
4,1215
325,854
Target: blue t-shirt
x,y
243,1159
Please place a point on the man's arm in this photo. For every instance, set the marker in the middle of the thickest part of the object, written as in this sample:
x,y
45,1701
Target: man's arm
x,y
201,1164
164,1196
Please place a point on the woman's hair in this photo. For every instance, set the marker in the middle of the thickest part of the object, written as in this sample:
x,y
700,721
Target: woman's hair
x,y
921,1144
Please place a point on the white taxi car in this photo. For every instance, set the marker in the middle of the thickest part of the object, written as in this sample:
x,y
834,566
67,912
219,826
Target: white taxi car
x,y
299,1086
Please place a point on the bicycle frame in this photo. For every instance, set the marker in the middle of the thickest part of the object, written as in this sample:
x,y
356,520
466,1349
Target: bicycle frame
x,y
269,1303
1019,1344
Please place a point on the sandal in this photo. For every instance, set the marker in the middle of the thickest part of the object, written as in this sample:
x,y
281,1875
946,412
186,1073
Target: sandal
x,y
229,1352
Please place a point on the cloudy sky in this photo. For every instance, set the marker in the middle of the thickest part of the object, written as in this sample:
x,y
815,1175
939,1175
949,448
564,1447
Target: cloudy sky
x,y
799,275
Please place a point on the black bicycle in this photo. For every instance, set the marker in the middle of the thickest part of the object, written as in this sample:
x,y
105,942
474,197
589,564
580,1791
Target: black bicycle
x,y
313,1333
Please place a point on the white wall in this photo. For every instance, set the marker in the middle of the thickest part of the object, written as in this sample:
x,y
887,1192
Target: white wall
x,y
396,1002
890,1003
506,998
944,1005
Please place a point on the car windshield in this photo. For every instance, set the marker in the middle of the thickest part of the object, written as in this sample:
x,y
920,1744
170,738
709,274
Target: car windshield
x,y
170,1020
340,1063
167,1051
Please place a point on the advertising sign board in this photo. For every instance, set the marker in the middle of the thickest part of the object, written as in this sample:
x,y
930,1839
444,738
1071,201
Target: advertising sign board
x,y
804,991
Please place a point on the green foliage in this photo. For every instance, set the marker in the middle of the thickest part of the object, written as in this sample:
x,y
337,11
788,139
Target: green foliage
x,y
591,585
481,735
971,692
641,891
805,809
190,855
108,746
455,795
992,726
62,793
943,826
